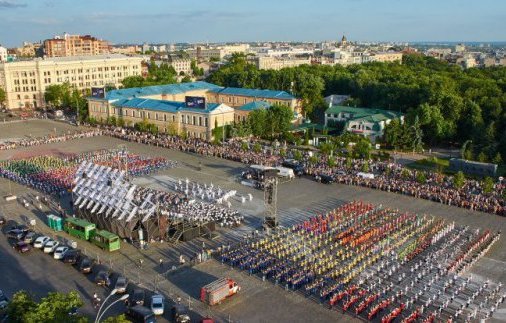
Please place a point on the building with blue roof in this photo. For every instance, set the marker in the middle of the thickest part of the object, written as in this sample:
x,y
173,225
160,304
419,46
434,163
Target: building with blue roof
x,y
164,106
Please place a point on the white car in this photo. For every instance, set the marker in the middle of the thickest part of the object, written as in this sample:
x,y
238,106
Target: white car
x,y
40,242
51,246
60,252
157,304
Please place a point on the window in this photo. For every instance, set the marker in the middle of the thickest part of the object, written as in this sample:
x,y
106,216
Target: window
x,y
200,121
205,121
194,123
173,118
182,118
165,117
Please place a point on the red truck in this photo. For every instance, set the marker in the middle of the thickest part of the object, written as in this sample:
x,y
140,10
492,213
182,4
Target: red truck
x,y
218,290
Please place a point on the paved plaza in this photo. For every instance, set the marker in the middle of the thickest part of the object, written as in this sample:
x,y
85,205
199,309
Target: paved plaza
x,y
297,200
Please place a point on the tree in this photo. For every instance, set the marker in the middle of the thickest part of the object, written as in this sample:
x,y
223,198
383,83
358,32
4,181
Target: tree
x,y
297,155
186,79
488,185
117,319
3,97
363,148
257,148
482,157
497,159
365,167
420,177
459,180
52,308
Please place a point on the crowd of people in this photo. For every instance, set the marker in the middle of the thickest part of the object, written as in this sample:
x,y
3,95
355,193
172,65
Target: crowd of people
x,y
55,174
204,192
49,139
179,207
387,176
374,262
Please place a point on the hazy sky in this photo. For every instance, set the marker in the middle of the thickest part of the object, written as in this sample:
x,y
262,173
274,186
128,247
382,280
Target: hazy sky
x,y
168,21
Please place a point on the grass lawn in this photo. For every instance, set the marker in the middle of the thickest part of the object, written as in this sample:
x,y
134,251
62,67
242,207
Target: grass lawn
x,y
431,163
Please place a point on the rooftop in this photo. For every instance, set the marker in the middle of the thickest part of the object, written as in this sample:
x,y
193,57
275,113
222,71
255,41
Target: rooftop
x,y
364,114
267,94
255,105
176,88
162,105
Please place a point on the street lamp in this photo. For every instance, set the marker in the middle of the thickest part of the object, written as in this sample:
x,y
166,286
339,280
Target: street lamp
x,y
122,298
114,291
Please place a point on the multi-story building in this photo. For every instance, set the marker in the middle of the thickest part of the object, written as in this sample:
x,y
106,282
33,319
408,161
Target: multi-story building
x,y
26,81
28,50
126,50
181,65
277,63
75,45
386,57
165,106
206,54
3,54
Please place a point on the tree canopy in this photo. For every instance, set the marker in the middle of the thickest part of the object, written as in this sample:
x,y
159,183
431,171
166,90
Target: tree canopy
x,y
453,105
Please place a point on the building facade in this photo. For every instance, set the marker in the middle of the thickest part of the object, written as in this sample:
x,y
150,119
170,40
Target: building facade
x,y
75,45
386,57
364,121
165,106
3,54
26,81
277,63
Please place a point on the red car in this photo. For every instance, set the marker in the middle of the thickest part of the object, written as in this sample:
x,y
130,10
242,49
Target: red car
x,y
22,247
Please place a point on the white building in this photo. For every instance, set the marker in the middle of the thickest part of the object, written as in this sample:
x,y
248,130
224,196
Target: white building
x,y
3,54
26,81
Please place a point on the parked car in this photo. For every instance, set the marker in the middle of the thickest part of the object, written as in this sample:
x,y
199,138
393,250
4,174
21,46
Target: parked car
x,y
137,297
121,285
71,257
85,265
180,314
102,278
325,179
16,234
20,227
141,314
157,304
60,252
40,242
22,247
51,246
30,237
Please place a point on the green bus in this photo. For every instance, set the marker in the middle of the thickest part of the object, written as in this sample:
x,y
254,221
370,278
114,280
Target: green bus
x,y
79,228
106,240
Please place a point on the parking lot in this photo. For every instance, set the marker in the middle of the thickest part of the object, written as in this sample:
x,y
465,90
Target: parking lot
x,y
297,200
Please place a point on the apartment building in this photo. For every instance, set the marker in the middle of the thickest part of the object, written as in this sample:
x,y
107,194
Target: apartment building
x,y
386,57
3,54
75,45
25,81
277,63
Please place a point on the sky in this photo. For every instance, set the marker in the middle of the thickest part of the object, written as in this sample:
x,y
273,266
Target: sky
x,y
171,21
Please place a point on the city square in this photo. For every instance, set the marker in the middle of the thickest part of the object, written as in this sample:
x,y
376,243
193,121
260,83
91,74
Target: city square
x,y
298,201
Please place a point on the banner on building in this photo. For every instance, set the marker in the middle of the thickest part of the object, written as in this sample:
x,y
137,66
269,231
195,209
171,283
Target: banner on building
x,y
98,92
195,102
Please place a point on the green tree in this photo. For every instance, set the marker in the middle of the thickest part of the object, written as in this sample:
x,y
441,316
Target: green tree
x,y
3,97
482,157
365,167
420,177
52,308
488,185
459,180
257,148
186,79
497,159
363,148
117,319
297,155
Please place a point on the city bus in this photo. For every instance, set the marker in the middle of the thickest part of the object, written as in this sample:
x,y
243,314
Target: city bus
x,y
106,240
79,228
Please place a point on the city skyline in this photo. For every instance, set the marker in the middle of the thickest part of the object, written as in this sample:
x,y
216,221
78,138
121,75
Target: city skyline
x,y
133,21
